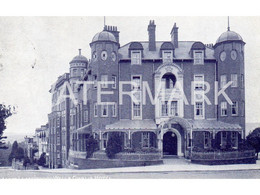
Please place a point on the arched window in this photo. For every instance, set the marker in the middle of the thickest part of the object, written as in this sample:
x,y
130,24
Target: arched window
x,y
168,80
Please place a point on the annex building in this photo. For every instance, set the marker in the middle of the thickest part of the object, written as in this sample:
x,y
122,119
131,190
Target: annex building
x,y
181,77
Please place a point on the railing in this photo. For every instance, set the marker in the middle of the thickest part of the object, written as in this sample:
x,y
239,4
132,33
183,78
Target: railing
x,y
219,155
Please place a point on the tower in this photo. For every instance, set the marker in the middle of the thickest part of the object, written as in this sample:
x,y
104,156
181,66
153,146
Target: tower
x,y
229,52
104,68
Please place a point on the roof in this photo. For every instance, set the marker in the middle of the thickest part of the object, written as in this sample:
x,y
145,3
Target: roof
x,y
126,124
181,52
213,125
229,36
104,36
79,58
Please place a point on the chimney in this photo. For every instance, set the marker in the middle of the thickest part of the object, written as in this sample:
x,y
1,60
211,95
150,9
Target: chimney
x,y
113,30
151,34
174,35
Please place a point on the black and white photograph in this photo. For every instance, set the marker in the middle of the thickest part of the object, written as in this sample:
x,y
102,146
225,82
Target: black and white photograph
x,y
129,97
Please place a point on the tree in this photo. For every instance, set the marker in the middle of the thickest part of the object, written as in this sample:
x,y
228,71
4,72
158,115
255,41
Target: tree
x,y
91,146
254,140
114,144
5,112
17,152
42,159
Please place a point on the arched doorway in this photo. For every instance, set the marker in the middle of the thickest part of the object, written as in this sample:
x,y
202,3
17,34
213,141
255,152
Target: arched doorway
x,y
170,143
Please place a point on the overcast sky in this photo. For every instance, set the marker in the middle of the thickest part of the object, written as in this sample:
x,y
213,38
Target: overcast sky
x,y
51,43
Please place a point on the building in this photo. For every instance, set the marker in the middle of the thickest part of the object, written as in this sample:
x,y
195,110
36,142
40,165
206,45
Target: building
x,y
189,81
41,135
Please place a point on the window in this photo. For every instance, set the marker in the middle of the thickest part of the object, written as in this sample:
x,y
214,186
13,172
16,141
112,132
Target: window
x,y
199,110
223,139
174,108
105,139
95,81
114,110
168,81
104,79
167,56
234,109
74,72
242,81
85,115
234,80
207,140
198,57
136,110
223,81
198,82
114,80
242,109
104,55
223,108
82,72
136,85
104,110
95,110
164,108
136,57
145,139
234,139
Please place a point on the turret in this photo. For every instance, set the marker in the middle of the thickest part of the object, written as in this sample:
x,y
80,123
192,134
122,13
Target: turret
x,y
229,53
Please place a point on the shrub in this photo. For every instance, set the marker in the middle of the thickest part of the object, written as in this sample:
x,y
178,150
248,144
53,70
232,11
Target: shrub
x,y
114,145
42,159
91,146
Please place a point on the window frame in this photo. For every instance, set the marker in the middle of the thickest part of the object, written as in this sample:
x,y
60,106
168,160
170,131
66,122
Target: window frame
x,y
203,80
114,79
236,108
147,138
104,85
209,139
234,84
136,61
114,110
167,60
195,59
102,107
223,106
222,82
203,110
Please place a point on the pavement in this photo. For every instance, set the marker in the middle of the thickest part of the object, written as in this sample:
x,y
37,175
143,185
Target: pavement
x,y
170,165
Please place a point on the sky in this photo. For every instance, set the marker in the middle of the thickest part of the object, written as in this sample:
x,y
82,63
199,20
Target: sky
x,y
50,43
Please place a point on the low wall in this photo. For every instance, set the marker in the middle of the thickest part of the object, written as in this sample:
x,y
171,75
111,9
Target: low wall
x,y
100,160
129,156
217,158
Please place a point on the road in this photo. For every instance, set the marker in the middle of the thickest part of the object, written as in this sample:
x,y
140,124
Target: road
x,y
242,174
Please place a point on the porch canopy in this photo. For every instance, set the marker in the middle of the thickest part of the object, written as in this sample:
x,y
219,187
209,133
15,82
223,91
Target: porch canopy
x,y
84,130
127,124
213,125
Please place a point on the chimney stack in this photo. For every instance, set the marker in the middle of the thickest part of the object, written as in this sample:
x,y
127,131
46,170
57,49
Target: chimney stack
x,y
113,30
174,36
151,34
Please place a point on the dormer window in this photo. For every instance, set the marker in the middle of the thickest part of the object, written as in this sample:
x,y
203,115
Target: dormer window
x,y
167,56
136,57
198,50
198,57
136,53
